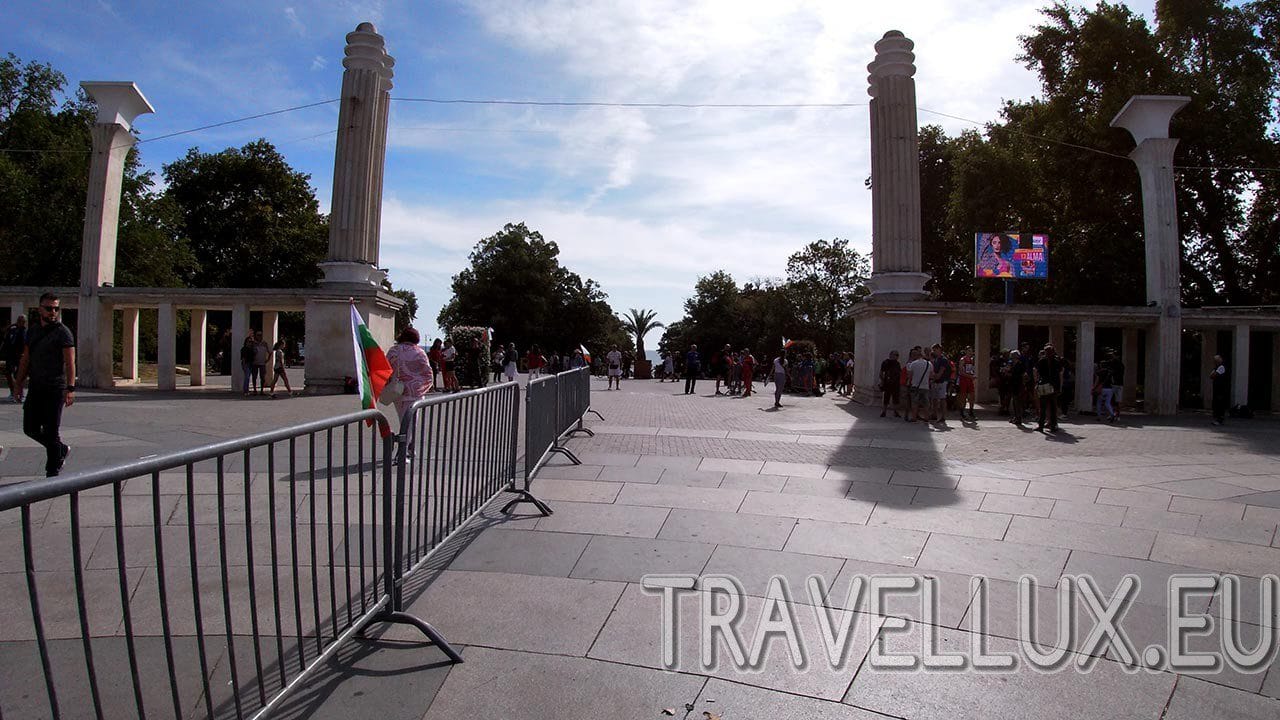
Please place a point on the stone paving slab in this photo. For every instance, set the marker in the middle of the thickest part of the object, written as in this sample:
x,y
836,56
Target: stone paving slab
x,y
523,551
806,507
605,519
727,528
734,701
753,568
513,612
992,558
690,498
991,695
629,559
1221,555
1198,700
880,544
1124,542
950,520
503,684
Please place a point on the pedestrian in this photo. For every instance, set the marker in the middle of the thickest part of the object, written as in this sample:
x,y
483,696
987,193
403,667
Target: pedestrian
x,y
49,361
692,367
496,363
1117,379
1068,393
614,360
577,361
1048,385
277,368
261,354
998,378
1221,390
720,367
1029,360
668,367
535,361
509,361
1016,372
1104,385
918,371
939,384
449,364
779,376
15,339
748,371
247,352
412,367
890,376
968,372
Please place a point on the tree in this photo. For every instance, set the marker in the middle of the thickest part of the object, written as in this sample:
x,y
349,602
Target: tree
x,y
516,285
251,220
407,314
1090,62
824,281
639,323
43,189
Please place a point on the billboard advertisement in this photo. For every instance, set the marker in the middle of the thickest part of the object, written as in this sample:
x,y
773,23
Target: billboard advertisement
x,y
1012,256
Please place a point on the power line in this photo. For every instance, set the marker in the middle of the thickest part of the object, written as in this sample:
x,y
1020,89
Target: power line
x,y
239,120
1029,135
595,103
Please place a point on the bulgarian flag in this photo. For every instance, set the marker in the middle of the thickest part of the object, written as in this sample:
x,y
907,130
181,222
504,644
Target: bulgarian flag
x,y
585,354
372,369
787,343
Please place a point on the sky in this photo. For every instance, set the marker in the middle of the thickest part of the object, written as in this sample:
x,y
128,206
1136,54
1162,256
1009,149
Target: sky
x,y
644,201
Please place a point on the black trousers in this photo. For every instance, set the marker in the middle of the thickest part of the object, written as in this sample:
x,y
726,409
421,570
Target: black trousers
x,y
1049,406
1221,401
41,418
690,379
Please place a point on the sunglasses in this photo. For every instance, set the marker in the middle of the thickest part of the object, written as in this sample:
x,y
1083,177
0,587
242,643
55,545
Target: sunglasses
x,y
50,308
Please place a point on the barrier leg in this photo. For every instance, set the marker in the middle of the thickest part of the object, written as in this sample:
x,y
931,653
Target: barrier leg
x,y
399,617
524,496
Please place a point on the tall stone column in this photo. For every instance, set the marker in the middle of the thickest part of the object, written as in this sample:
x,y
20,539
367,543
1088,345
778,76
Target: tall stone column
x,y
981,359
270,333
1086,341
1009,332
1147,117
199,341
118,104
895,172
1240,366
356,207
16,310
239,331
1129,356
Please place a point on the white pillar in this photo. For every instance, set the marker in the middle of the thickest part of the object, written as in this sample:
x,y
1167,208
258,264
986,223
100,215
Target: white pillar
x,y
118,104
1085,346
166,346
199,340
129,344
1147,117
1058,337
16,310
1009,333
895,172
270,333
1208,348
239,331
1240,367
981,359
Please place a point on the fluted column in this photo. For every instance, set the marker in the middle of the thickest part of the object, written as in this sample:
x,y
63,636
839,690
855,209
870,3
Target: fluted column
x,y
166,346
356,205
1086,340
895,172
198,346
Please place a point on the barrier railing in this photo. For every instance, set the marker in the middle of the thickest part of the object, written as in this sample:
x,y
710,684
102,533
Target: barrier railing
x,y
555,406
220,578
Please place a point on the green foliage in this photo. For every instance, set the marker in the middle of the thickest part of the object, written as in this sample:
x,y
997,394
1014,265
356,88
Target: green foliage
x,y
516,285
825,279
1090,62
407,314
251,220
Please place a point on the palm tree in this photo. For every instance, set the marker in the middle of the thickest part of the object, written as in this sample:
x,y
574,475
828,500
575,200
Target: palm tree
x,y
639,323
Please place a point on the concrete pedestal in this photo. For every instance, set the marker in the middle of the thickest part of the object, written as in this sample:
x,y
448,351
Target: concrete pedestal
x,y
1163,366
882,330
330,352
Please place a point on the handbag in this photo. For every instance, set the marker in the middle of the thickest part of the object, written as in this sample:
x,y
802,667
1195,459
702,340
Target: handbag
x,y
392,391
1044,389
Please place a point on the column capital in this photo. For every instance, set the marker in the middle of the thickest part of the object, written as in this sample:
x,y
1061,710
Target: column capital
x,y
119,102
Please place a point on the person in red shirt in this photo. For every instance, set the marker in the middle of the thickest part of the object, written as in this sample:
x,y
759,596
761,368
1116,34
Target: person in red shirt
x,y
748,371
535,361
436,356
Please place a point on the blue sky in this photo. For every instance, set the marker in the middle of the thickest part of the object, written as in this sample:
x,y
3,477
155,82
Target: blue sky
x,y
641,200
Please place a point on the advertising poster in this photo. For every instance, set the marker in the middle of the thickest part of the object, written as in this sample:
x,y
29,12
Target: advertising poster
x,y
1012,256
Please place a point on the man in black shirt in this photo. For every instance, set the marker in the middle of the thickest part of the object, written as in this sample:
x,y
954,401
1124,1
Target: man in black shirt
x,y
891,382
692,368
49,360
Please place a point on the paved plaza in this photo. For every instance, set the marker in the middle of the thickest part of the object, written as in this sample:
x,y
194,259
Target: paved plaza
x,y
553,621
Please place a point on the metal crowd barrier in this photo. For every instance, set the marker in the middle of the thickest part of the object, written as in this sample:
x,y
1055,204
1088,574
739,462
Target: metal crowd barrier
x,y
554,408
223,577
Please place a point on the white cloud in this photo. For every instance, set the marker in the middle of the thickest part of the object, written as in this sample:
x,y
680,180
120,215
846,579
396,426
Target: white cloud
x,y
292,15
319,62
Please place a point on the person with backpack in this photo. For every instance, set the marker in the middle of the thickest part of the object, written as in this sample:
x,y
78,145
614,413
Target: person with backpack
x,y
939,383
917,384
